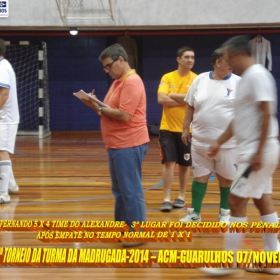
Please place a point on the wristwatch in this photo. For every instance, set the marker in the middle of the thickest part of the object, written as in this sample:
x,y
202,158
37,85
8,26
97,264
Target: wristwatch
x,y
99,111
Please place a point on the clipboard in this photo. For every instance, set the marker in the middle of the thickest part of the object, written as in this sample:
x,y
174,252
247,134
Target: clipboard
x,y
83,95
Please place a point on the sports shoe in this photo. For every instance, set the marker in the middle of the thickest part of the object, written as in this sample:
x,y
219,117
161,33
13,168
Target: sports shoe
x,y
13,189
179,203
222,271
191,216
269,270
166,206
132,244
4,198
224,216
216,271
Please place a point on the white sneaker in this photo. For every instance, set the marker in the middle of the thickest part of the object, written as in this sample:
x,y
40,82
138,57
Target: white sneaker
x,y
224,216
4,198
132,244
191,216
13,189
217,271
270,270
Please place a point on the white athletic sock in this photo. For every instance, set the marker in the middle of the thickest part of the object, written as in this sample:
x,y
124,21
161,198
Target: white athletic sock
x,y
5,166
12,181
233,239
270,240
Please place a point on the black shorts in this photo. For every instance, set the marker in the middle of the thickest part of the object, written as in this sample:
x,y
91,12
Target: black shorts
x,y
173,149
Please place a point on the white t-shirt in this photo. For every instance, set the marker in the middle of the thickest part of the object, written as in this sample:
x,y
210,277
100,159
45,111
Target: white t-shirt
x,y
213,102
9,114
256,85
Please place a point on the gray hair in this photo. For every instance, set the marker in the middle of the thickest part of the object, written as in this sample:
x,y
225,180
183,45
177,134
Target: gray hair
x,y
114,51
238,43
217,54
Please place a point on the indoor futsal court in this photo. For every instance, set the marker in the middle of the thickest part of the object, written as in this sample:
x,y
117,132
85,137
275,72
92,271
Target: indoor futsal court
x,y
58,183
60,161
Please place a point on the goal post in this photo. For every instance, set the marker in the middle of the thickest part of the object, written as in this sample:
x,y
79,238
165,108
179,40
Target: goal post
x,y
29,60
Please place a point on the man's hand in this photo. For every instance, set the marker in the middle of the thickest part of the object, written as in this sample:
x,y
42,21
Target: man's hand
x,y
166,100
256,162
186,136
178,97
213,150
91,104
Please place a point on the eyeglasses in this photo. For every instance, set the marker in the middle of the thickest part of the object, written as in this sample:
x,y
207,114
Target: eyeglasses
x,y
109,65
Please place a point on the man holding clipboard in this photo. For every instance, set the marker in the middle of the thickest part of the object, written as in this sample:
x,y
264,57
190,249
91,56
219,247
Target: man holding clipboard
x,y
86,96
124,131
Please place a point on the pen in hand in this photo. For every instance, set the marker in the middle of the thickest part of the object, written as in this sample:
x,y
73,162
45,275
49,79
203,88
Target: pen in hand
x,y
92,92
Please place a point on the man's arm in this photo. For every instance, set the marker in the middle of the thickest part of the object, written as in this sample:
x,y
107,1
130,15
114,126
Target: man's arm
x,y
178,97
215,146
227,134
265,109
116,114
4,95
256,160
186,125
164,99
113,113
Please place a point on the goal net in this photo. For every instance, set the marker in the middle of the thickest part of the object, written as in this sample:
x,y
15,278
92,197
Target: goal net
x,y
86,9
29,60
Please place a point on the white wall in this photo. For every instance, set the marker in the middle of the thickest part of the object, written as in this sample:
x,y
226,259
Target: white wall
x,y
149,14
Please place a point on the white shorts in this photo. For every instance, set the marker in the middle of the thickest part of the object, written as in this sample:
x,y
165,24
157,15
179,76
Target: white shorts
x,y
257,183
8,133
224,164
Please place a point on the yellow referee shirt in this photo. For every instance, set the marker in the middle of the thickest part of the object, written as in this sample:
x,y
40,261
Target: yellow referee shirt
x,y
173,117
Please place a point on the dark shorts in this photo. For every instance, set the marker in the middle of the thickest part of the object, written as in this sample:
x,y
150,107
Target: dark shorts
x,y
173,149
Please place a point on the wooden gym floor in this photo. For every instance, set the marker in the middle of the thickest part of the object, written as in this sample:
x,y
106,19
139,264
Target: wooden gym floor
x,y
66,177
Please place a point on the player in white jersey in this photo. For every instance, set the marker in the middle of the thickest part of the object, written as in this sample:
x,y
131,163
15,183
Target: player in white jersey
x,y
255,127
9,119
210,109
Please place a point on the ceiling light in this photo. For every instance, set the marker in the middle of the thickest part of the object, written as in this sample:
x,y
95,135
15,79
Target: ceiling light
x,y
73,31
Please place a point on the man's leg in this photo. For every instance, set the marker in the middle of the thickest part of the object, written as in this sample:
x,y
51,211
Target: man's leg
x,y
13,187
185,163
168,149
5,167
237,207
225,185
119,209
199,187
7,144
270,240
128,171
202,169
232,240
167,177
268,215
264,203
184,172
225,167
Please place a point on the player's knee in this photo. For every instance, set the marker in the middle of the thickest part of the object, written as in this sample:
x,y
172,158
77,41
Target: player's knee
x,y
232,206
265,204
237,206
4,155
